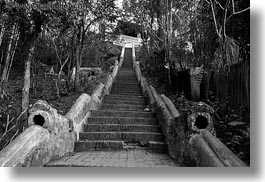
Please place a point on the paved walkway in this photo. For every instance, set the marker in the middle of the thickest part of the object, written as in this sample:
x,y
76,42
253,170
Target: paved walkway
x,y
124,158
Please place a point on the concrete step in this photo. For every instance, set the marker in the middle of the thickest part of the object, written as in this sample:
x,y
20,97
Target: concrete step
x,y
128,84
122,120
126,93
130,75
125,101
121,136
127,65
122,107
121,127
98,145
109,113
126,75
124,79
153,146
122,97
114,145
159,147
127,88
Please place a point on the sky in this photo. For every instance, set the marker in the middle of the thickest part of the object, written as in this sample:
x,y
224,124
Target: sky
x,y
119,3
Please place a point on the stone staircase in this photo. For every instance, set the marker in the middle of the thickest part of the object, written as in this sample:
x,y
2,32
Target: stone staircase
x,y
122,122
123,126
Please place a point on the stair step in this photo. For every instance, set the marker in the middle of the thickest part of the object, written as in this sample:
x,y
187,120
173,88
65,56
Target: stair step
x,y
159,147
130,74
125,101
98,145
122,97
126,86
121,127
126,89
122,107
122,120
130,80
134,90
122,84
124,136
126,75
121,114
126,93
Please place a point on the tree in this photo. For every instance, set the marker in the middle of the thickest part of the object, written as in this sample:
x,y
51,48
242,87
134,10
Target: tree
x,y
83,19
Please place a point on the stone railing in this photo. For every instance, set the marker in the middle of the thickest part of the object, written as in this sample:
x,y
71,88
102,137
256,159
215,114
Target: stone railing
x,y
189,138
51,135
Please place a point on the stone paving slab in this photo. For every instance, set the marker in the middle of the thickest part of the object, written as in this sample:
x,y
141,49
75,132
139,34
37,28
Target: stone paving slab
x,y
124,158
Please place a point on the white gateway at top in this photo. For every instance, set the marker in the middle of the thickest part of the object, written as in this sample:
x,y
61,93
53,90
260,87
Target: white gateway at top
x,y
128,41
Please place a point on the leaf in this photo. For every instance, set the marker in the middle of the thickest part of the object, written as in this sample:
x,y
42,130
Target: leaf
x,y
236,123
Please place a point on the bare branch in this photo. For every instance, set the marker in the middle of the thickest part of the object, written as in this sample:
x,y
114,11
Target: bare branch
x,y
13,137
56,51
238,12
234,12
18,118
219,5
13,54
214,18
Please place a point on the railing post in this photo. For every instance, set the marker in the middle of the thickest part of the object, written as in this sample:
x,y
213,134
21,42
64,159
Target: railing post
x,y
133,55
122,56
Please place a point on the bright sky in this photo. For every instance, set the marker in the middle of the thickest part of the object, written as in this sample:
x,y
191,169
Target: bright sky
x,y
119,3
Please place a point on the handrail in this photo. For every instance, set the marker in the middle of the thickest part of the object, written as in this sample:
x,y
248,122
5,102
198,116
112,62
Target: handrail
x,y
51,135
189,147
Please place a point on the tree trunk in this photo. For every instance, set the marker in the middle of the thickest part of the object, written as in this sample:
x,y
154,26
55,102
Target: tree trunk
x,y
78,56
159,20
8,57
12,55
26,87
4,76
2,34
77,65
1,61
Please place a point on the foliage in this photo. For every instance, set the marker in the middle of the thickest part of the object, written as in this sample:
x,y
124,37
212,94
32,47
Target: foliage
x,y
227,54
73,33
128,28
59,31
